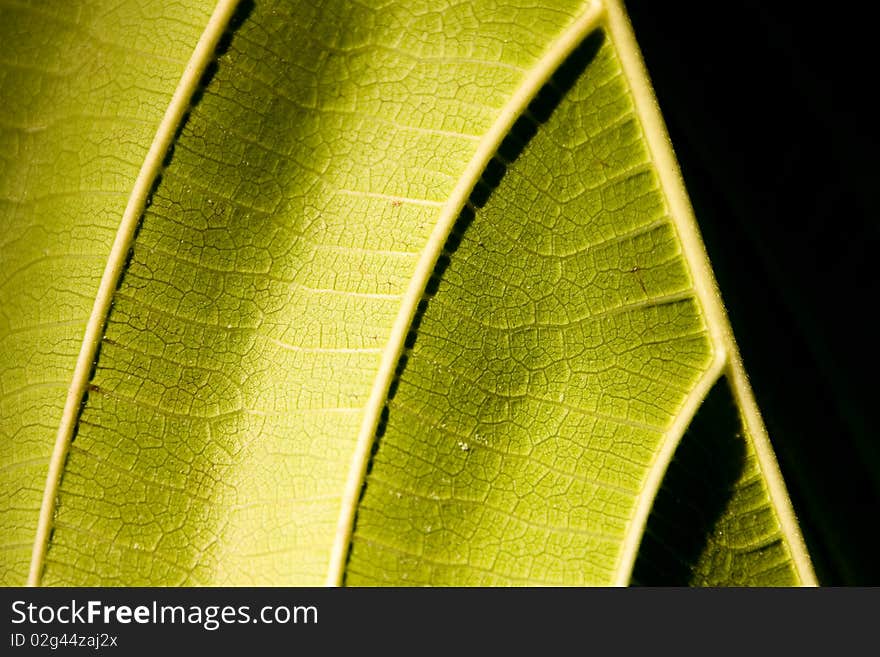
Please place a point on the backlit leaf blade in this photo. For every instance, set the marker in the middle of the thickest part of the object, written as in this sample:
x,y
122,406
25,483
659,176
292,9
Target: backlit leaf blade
x,y
568,287
267,294
84,86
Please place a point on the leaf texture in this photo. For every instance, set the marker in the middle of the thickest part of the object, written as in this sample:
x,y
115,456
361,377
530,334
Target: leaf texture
x,y
84,86
275,305
566,312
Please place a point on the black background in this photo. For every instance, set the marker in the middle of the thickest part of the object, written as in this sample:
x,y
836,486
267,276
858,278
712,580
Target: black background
x,y
770,110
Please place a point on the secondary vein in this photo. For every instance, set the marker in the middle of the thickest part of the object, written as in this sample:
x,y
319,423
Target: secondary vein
x,y
727,354
151,167
486,149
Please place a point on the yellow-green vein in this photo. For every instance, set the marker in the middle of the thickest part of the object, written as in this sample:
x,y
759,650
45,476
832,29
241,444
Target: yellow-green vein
x,y
486,149
151,167
717,322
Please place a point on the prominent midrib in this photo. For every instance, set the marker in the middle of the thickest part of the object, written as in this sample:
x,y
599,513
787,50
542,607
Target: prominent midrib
x,y
486,149
202,55
727,360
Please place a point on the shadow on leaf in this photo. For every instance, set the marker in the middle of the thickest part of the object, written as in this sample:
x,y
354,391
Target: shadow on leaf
x,y
523,131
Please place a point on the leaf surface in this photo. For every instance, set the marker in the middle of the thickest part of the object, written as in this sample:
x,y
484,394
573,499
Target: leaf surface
x,y
413,298
84,86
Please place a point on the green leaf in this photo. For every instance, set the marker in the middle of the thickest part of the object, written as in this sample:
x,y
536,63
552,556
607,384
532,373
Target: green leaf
x,y
365,294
